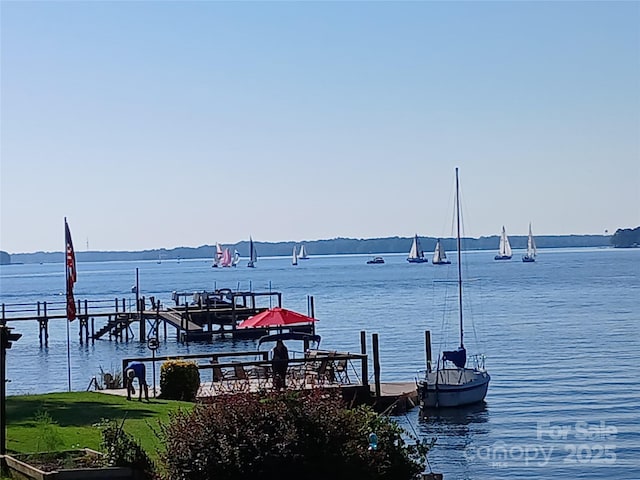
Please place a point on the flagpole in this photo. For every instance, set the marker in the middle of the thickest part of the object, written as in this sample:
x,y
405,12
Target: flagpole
x,y
66,276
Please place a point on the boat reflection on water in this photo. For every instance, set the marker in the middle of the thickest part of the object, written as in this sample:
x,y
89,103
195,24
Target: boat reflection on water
x,y
456,431
476,413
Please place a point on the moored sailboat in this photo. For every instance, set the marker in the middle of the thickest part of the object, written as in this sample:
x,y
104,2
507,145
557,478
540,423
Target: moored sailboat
x,y
453,383
303,253
439,255
416,255
530,256
504,250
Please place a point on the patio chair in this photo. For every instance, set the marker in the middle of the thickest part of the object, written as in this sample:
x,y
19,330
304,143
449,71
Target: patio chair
x,y
340,368
220,378
240,379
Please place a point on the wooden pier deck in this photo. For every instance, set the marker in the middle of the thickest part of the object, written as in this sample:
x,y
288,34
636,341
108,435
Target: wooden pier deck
x,y
214,314
224,373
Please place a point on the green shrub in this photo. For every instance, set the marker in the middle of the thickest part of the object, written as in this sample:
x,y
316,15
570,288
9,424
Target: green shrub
x,y
179,380
122,450
310,435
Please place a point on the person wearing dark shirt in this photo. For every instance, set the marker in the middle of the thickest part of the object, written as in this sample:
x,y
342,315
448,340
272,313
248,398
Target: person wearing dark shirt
x,y
280,361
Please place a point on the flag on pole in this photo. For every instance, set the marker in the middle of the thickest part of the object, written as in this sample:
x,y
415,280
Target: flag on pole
x,y
70,273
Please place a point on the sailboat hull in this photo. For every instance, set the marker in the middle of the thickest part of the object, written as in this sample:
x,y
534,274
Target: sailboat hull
x,y
502,257
442,262
417,260
528,259
453,388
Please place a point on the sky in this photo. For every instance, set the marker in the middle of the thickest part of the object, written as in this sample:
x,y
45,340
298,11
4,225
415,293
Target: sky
x,y
158,124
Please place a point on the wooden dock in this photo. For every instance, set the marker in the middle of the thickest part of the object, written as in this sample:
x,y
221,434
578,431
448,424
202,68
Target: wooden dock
x,y
229,373
224,373
210,315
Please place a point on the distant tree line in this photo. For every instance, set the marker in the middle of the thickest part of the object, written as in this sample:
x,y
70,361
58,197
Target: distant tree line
x,y
626,238
335,246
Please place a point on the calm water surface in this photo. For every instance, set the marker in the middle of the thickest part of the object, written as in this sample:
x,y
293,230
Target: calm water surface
x,y
560,335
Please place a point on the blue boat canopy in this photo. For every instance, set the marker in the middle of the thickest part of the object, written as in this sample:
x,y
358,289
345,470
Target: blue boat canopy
x,y
458,357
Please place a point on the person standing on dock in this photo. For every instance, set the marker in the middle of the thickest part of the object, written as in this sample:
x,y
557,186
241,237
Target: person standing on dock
x,y
280,360
136,370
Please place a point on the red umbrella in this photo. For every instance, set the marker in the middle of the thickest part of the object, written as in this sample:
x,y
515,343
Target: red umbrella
x,y
276,317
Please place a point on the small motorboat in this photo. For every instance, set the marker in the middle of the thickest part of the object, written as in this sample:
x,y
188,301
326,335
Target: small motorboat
x,y
375,260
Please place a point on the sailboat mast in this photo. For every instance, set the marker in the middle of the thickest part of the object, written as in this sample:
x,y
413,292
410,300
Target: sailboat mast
x,y
459,258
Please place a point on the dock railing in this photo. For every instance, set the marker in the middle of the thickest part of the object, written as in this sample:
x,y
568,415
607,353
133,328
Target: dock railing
x,y
315,368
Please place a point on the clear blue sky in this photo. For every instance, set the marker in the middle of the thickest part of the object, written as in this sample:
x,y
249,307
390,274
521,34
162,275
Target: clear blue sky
x,y
164,124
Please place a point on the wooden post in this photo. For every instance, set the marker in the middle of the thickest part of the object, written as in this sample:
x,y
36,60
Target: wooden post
x,y
376,364
93,330
427,341
141,307
364,361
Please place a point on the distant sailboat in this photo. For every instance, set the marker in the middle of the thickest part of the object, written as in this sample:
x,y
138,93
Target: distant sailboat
x,y
217,256
294,258
303,253
504,252
530,256
226,258
253,256
439,255
236,258
416,255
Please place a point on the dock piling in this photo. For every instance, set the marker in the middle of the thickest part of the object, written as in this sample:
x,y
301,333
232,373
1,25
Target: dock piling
x,y
376,364
427,342
364,364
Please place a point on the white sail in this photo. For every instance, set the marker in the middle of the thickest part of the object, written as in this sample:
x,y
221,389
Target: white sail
x,y
236,258
294,258
217,256
439,255
416,255
531,244
505,246
303,253
415,248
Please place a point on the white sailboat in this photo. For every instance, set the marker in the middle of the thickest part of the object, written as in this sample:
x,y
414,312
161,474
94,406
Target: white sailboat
x,y
452,383
253,255
504,251
303,253
530,256
217,256
294,258
416,255
439,255
236,258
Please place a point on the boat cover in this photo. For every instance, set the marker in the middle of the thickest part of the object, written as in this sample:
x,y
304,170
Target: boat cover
x,y
458,357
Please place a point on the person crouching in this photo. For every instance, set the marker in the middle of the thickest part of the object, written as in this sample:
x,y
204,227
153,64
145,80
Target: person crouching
x,y
136,370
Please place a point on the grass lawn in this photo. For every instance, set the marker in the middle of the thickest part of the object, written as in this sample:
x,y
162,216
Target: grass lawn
x,y
73,418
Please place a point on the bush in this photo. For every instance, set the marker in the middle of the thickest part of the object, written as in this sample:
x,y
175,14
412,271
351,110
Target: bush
x,y
179,380
292,435
122,450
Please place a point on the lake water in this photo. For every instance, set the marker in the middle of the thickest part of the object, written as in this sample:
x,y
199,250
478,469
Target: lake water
x,y
561,338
